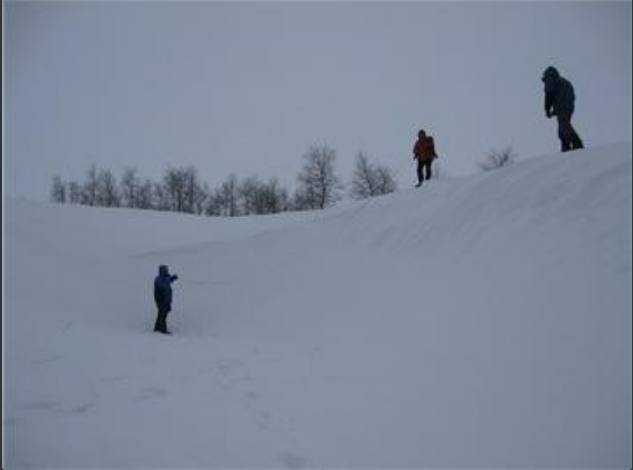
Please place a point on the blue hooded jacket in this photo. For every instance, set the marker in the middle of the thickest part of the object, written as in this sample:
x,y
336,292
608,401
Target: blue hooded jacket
x,y
162,287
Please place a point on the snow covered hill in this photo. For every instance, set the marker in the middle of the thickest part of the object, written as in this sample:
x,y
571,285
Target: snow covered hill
x,y
483,321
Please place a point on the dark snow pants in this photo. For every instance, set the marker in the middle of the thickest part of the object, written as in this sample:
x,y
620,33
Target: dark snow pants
x,y
569,138
424,170
161,318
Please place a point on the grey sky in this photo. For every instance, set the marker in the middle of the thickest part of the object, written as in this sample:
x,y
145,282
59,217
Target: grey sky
x,y
248,87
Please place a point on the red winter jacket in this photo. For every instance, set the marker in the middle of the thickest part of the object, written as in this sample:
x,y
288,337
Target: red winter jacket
x,y
424,149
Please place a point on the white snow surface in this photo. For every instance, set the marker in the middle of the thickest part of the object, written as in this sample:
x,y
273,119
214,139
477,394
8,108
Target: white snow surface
x,y
481,321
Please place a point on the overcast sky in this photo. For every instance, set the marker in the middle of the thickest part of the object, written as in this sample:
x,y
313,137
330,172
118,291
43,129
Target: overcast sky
x,y
247,87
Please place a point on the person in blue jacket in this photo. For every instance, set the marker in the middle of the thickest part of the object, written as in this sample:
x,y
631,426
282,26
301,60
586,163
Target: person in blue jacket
x,y
560,100
163,297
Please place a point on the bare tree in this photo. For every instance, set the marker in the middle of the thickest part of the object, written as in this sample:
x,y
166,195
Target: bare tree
x,y
90,187
257,197
180,190
363,181
174,186
213,204
227,197
107,190
194,194
497,159
58,190
249,192
370,180
319,187
145,196
202,200
160,197
75,193
386,183
129,188
274,197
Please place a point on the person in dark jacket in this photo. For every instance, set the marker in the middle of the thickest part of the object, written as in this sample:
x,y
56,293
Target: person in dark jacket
x,y
424,152
560,101
163,297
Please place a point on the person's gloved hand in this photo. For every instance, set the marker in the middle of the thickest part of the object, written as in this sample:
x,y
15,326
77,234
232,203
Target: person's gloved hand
x,y
549,114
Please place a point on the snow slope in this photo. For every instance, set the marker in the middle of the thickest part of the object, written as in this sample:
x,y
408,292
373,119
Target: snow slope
x,y
483,321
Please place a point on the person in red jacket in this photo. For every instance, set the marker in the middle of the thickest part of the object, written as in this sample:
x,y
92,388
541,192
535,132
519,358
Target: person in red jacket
x,y
424,152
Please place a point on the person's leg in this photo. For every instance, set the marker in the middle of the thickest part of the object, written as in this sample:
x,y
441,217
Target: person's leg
x,y
420,172
574,138
565,131
161,320
429,169
158,320
564,145
167,310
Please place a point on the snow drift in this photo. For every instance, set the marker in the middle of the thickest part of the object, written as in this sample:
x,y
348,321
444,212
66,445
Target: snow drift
x,y
482,321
